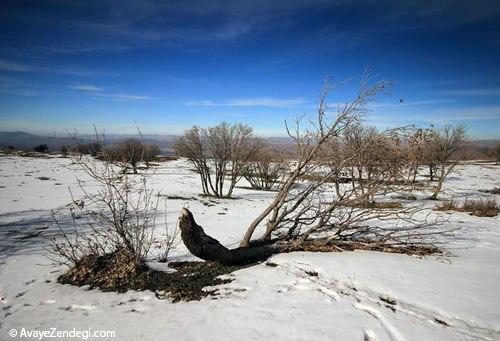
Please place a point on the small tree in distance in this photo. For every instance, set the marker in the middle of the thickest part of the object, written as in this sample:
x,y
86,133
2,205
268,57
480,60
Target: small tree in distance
x,y
218,153
64,151
41,148
129,152
151,152
265,169
444,146
494,152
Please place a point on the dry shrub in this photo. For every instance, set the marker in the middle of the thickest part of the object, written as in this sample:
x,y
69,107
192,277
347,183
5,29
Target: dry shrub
x,y
120,271
367,245
377,205
116,211
448,205
480,207
495,190
265,169
406,197
112,271
167,242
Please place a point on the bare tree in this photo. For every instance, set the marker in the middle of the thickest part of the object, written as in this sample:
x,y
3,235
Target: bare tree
x,y
79,150
266,168
41,148
129,152
444,147
64,151
416,153
314,204
218,153
293,204
494,152
151,152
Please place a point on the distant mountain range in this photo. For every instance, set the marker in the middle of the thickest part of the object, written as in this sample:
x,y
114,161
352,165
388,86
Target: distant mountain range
x,y
486,143
27,141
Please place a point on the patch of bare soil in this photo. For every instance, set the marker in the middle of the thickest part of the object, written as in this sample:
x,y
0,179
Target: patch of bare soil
x,y
118,271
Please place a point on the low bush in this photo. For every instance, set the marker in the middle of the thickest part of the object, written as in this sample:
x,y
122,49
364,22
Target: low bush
x,y
406,197
377,205
495,190
448,205
480,207
41,148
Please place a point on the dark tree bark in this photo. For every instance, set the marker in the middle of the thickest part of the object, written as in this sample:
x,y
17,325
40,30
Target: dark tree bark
x,y
207,248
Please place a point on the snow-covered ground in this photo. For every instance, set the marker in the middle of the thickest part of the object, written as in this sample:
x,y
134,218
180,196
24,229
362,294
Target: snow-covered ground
x,y
355,296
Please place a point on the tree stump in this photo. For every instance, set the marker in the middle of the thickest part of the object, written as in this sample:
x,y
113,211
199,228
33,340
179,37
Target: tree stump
x,y
210,249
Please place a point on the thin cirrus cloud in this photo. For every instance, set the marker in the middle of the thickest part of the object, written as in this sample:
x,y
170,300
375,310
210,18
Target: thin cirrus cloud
x,y
12,86
121,24
17,92
440,115
126,97
6,65
86,88
252,102
11,66
100,92
473,92
404,103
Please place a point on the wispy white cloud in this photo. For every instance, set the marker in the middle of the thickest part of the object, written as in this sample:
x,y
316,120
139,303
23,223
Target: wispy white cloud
x,y
404,103
121,97
12,86
6,65
11,66
87,87
275,64
266,102
440,115
472,113
127,97
16,91
202,103
96,91
472,92
252,102
127,24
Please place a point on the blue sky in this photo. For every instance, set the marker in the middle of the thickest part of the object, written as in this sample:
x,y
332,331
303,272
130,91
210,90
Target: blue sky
x,y
169,65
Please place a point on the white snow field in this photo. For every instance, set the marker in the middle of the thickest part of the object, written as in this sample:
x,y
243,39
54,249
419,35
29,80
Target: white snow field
x,y
356,295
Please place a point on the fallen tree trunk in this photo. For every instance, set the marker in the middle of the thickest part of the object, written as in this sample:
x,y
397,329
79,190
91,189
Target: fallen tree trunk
x,y
207,248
